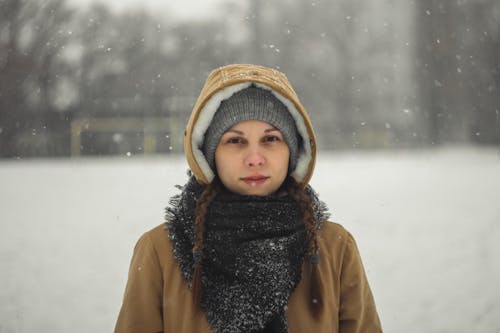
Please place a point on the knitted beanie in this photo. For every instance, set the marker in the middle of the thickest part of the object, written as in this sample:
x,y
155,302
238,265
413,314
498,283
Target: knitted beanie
x,y
252,103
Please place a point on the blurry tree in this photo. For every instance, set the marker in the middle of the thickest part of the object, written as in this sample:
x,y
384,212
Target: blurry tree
x,y
440,88
120,64
33,35
92,60
482,40
139,65
457,64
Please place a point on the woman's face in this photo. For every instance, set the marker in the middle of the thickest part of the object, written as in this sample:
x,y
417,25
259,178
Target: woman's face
x,y
252,158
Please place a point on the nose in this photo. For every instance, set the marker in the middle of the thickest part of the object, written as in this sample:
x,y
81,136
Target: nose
x,y
254,158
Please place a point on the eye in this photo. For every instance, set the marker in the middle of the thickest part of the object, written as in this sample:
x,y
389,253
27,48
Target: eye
x,y
271,138
234,140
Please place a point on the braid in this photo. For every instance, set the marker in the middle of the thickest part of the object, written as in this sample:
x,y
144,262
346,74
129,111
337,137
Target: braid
x,y
200,212
299,195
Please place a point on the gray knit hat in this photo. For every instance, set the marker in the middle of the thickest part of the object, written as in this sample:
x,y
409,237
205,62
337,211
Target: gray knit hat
x,y
252,103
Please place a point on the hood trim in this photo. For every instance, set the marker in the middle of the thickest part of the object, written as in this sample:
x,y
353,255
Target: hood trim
x,y
207,113
232,75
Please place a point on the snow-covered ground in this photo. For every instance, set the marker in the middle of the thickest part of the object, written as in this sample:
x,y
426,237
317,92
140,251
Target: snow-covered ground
x,y
427,224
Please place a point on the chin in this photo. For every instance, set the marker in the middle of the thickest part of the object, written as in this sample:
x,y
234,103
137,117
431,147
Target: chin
x,y
257,192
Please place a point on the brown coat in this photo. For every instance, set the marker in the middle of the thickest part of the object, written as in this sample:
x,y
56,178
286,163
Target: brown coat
x,y
158,299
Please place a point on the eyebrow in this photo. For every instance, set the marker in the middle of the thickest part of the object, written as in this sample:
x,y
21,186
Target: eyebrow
x,y
272,129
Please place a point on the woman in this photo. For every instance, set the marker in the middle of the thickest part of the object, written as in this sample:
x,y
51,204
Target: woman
x,y
247,246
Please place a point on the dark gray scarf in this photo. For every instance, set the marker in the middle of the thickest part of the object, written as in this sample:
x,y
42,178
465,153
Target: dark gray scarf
x,y
253,252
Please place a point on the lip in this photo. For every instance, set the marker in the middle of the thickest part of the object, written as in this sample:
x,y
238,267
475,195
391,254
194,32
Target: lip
x,y
255,179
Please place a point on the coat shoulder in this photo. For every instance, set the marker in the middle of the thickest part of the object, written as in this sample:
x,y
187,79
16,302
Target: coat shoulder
x,y
158,240
332,230
335,241
158,232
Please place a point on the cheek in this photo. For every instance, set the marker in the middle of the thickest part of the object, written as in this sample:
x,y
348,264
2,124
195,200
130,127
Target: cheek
x,y
222,161
283,158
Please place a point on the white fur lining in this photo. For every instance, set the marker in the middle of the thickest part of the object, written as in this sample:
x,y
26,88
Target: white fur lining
x,y
208,111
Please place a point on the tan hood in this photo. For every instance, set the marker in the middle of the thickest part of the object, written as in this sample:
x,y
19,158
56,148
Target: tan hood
x,y
221,84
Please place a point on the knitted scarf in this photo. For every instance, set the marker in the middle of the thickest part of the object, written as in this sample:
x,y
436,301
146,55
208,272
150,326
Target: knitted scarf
x,y
253,251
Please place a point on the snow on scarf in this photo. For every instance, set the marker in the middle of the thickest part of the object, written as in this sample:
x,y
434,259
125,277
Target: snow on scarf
x,y
253,251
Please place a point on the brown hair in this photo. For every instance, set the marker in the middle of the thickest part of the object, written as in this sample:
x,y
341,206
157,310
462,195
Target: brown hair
x,y
299,195
200,212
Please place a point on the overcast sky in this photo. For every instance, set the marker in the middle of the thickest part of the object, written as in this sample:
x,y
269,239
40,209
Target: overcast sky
x,y
180,9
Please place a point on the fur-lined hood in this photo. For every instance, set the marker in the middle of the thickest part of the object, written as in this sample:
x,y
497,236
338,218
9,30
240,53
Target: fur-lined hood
x,y
221,84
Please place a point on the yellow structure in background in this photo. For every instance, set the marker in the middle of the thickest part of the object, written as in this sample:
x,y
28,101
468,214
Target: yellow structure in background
x,y
149,126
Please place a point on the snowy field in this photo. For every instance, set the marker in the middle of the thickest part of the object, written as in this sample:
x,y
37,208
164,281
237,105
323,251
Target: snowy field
x,y
427,224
